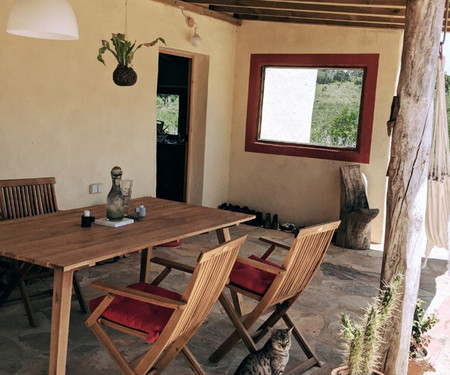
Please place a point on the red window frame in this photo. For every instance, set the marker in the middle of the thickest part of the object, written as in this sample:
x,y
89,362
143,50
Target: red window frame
x,y
367,62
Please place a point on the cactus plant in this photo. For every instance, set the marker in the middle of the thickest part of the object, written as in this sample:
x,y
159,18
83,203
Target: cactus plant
x,y
363,339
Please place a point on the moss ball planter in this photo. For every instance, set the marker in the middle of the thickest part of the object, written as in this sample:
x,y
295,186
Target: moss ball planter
x,y
124,76
123,51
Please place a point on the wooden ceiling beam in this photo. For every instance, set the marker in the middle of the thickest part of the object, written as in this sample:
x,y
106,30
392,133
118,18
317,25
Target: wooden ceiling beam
x,y
262,4
323,22
336,3
382,3
310,15
201,10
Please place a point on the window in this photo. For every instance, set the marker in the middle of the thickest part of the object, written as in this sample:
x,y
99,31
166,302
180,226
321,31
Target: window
x,y
318,106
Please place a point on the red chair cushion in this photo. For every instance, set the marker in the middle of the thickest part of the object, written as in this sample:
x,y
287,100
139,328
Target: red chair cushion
x,y
251,278
139,315
171,244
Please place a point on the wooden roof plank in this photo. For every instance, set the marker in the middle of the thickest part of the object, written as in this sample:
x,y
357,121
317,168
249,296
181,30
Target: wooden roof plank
x,y
322,22
385,3
367,3
311,15
201,10
262,4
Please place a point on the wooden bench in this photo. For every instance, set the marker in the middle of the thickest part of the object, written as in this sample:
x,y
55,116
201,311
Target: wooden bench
x,y
355,214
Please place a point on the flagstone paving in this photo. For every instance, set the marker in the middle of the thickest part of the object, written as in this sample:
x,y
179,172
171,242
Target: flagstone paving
x,y
345,283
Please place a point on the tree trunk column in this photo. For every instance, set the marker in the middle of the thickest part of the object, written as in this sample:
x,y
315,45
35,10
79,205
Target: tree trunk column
x,y
410,148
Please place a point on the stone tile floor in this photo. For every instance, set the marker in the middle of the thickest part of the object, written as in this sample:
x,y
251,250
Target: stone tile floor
x,y
346,282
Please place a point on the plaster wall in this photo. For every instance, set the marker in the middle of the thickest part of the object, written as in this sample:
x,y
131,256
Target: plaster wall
x,y
305,190
61,114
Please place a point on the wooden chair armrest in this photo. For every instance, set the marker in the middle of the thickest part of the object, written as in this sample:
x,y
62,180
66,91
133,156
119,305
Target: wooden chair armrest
x,y
260,265
172,264
138,295
274,243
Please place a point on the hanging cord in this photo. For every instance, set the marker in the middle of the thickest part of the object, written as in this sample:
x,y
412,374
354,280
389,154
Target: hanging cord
x,y
445,27
126,18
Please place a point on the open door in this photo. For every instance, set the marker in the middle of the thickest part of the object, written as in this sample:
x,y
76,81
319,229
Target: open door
x,y
172,104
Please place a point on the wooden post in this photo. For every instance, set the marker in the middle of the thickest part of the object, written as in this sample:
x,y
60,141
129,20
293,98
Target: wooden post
x,y
410,148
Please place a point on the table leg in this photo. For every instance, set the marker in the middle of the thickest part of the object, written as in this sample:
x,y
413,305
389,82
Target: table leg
x,y
62,298
146,256
223,235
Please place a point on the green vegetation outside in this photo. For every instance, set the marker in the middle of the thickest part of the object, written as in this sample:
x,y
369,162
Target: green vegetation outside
x,y
335,116
167,109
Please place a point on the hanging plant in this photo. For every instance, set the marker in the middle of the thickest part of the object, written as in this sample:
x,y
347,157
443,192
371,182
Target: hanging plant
x,y
123,50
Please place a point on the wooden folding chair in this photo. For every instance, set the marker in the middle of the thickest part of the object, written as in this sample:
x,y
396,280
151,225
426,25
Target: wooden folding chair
x,y
23,198
275,287
160,316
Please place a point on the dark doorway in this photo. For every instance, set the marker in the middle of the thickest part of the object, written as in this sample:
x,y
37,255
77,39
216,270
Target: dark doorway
x,y
172,108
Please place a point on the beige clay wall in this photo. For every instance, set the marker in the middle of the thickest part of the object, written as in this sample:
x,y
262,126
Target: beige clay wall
x,y
61,115
304,190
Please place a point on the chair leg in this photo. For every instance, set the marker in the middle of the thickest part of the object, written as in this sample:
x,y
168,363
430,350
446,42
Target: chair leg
x,y
238,303
170,353
241,332
269,252
112,349
161,276
79,294
27,304
23,292
312,358
18,276
192,361
271,321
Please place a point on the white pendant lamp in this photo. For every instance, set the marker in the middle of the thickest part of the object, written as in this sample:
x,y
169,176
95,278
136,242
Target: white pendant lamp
x,y
45,19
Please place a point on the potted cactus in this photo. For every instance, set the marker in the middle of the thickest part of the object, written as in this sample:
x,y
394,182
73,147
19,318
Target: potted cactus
x,y
418,349
123,50
363,339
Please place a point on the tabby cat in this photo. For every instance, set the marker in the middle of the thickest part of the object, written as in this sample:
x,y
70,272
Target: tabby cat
x,y
271,359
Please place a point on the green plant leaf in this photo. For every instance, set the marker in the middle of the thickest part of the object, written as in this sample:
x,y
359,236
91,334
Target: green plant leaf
x,y
103,49
124,50
151,44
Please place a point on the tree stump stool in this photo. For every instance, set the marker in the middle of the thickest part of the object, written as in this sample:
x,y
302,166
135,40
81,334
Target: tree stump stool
x,y
355,214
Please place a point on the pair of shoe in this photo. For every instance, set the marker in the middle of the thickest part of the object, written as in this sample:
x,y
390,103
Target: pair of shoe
x,y
271,224
288,227
257,221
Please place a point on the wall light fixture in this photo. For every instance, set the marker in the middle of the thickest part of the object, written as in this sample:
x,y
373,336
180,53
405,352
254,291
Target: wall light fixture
x,y
195,38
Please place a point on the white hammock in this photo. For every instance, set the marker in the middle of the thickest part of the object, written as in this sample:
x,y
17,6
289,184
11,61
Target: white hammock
x,y
438,196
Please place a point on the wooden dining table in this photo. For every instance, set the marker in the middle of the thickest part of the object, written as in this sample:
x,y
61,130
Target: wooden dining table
x,y
58,241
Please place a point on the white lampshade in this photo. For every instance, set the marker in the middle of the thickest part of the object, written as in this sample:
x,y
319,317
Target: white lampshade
x,y
45,19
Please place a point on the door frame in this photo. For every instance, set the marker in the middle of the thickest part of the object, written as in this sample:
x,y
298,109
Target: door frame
x,y
190,56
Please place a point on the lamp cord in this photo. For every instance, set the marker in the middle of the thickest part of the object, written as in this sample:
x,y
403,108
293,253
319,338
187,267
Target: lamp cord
x,y
126,18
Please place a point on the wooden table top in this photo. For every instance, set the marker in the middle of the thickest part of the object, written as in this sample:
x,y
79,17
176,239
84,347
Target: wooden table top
x,y
58,241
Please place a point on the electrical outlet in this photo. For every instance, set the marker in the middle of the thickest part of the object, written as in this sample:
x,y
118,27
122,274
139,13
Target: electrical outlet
x,y
93,189
96,188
